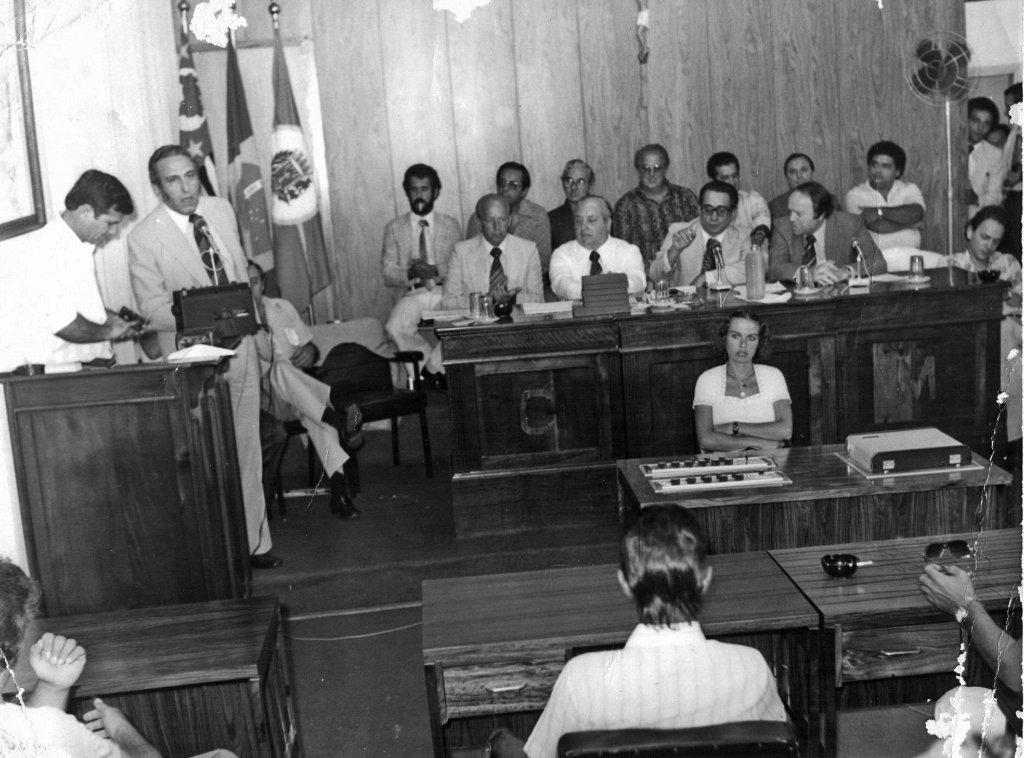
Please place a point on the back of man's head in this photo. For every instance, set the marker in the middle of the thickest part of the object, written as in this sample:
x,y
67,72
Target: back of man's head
x,y
102,192
663,559
19,602
1015,92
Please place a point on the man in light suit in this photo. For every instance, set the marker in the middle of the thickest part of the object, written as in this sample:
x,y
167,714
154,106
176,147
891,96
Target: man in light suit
x,y
164,256
414,262
820,237
687,255
494,261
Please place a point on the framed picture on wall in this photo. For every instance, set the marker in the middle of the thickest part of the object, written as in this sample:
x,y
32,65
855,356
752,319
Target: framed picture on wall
x,y
21,186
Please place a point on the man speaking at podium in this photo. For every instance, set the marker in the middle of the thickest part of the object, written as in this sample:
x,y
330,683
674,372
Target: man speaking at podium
x,y
190,241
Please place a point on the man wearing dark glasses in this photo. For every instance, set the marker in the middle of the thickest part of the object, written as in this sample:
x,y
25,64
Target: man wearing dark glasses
x,y
191,240
950,589
709,248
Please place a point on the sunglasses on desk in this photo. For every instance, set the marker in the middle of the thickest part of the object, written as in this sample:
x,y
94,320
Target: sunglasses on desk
x,y
954,548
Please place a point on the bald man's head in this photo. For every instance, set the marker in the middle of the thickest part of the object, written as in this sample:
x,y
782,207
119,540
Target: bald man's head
x,y
593,217
494,214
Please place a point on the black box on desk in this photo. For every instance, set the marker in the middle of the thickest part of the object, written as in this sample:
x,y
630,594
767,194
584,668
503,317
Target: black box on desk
x,y
603,295
907,450
221,315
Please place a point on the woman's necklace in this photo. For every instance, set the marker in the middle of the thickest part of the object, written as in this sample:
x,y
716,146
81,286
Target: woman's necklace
x,y
741,382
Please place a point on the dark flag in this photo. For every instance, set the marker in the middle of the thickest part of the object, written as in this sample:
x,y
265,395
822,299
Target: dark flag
x,y
245,185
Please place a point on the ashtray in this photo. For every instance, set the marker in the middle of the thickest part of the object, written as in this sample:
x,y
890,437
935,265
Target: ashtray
x,y
30,369
504,308
988,276
842,565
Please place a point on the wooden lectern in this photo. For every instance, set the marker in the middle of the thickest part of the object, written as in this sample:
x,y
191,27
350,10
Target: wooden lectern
x,y
129,486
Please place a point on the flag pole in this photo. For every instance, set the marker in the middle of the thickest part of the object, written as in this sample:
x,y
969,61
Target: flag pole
x,y
184,7
275,11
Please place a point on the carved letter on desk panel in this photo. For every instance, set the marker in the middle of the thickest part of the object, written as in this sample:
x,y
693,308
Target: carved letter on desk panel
x,y
904,379
551,411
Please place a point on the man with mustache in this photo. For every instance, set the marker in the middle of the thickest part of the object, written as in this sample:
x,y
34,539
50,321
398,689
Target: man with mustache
x,y
414,262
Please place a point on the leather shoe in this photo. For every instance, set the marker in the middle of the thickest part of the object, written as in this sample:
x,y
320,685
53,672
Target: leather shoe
x,y
344,509
350,433
265,561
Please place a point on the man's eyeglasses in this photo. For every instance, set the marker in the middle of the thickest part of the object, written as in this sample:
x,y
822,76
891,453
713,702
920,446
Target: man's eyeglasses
x,y
651,169
954,548
502,184
715,210
575,182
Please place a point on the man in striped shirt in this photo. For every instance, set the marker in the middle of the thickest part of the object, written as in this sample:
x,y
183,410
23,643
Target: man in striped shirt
x,y
668,676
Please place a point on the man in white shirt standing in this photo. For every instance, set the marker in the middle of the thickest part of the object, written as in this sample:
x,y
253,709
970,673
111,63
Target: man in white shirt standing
x,y
985,165
594,251
668,676
414,261
52,308
688,255
893,210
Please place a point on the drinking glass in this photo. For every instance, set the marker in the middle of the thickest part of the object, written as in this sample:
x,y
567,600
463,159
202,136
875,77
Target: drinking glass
x,y
661,296
804,279
917,266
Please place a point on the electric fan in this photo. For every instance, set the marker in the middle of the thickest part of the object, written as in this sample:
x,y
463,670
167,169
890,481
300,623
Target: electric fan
x,y
936,70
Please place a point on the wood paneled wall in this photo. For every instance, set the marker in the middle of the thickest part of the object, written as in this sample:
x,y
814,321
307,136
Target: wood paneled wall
x,y
543,82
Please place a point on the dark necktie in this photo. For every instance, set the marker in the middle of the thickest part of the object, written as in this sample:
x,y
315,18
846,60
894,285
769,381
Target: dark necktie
x,y
595,263
211,258
710,263
423,240
810,254
498,279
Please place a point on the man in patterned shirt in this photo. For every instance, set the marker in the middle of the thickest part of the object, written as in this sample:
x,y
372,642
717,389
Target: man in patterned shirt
x,y
528,220
668,676
642,216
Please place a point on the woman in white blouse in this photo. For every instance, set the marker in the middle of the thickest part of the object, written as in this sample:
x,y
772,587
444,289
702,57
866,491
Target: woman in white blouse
x,y
742,405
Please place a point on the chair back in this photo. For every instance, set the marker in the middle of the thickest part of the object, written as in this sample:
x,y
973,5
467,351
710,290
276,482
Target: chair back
x,y
352,369
741,738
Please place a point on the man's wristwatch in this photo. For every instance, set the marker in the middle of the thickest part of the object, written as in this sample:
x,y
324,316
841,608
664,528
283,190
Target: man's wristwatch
x,y
961,614
736,428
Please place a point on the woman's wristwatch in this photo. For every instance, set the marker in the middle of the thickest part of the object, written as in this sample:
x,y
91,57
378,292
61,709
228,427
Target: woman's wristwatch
x,y
735,428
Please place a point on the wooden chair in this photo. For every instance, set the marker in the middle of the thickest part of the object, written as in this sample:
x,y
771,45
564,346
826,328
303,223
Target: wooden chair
x,y
741,738
357,375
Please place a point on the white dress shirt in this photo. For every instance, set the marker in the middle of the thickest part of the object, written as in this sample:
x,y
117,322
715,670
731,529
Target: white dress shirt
x,y
571,262
664,678
414,221
986,170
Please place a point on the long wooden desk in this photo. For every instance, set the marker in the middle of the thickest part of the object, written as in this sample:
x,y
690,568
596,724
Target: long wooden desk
x,y
878,623
191,678
496,644
542,407
830,503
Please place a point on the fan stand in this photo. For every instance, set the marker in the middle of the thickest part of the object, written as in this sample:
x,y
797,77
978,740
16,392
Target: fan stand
x,y
949,188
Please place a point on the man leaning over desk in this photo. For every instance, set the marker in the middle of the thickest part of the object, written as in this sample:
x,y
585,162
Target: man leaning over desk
x,y
818,236
52,310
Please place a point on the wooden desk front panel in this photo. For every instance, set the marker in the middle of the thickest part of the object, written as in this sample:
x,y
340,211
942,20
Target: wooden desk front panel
x,y
922,376
129,495
535,431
